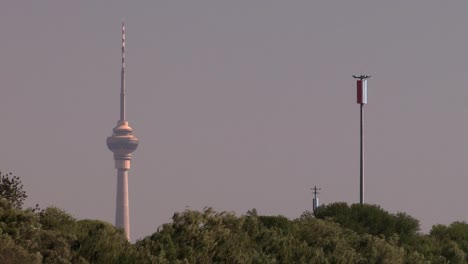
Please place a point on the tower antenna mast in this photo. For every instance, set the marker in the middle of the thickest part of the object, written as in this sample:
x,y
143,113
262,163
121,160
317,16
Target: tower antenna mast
x,y
122,77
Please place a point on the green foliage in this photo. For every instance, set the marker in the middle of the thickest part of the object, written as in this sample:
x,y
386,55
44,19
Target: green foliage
x,y
100,242
19,225
455,238
53,236
336,233
10,252
212,237
11,189
53,218
370,219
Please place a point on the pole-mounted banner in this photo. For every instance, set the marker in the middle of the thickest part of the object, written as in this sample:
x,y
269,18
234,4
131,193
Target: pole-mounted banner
x,y
362,91
361,88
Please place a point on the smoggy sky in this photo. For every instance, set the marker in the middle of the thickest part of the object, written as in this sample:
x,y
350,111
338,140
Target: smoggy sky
x,y
237,104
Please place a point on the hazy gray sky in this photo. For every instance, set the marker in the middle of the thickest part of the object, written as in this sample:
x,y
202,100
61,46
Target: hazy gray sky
x,y
237,104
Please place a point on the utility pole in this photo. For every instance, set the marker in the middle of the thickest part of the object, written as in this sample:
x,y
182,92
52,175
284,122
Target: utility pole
x,y
316,203
362,100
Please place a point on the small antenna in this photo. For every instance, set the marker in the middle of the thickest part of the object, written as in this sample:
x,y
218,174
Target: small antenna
x,y
316,203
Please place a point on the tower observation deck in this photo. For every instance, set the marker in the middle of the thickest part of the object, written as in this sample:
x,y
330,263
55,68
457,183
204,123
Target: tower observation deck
x,y
122,143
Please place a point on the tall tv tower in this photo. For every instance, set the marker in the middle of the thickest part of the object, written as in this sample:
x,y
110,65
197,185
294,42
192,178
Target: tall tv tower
x,y
122,143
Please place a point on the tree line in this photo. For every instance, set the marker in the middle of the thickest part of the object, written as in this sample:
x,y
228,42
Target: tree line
x,y
335,233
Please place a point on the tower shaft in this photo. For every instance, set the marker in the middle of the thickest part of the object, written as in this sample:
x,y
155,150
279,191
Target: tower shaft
x,y
122,212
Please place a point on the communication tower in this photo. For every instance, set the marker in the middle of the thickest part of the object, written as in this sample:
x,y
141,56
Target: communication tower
x,y
122,143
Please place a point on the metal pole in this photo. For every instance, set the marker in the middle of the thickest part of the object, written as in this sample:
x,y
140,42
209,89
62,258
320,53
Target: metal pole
x,y
362,158
362,100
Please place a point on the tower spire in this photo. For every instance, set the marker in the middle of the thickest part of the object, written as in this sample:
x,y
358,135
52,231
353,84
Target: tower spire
x,y
122,77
